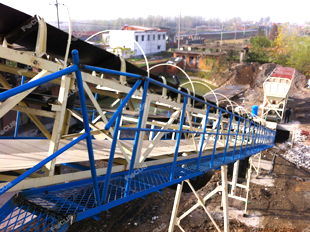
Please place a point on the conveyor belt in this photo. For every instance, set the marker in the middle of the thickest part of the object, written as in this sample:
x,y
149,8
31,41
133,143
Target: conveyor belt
x,y
12,20
20,154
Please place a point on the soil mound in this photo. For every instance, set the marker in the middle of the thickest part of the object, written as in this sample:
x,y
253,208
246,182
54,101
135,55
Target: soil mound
x,y
253,75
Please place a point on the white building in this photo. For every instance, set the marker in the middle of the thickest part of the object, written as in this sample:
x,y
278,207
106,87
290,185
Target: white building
x,y
151,40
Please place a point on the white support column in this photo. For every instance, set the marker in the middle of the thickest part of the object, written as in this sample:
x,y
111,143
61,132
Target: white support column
x,y
175,221
235,178
58,123
241,57
41,38
225,197
143,125
258,165
247,190
123,69
202,204
153,126
256,169
177,198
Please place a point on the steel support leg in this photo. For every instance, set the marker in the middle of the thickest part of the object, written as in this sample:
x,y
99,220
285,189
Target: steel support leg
x,y
235,178
247,190
258,165
256,169
173,220
225,197
201,202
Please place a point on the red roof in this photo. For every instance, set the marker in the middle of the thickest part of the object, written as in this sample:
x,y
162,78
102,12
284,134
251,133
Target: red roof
x,y
283,72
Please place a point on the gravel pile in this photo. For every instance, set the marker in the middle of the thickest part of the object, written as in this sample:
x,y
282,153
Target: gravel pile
x,y
298,154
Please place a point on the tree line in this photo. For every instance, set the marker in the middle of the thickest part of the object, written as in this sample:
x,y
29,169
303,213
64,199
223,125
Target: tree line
x,y
187,22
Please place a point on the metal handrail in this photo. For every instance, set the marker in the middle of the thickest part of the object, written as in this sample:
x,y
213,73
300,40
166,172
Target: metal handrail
x,y
259,136
251,135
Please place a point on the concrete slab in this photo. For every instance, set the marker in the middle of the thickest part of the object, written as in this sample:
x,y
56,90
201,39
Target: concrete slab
x,y
264,164
266,181
253,218
291,126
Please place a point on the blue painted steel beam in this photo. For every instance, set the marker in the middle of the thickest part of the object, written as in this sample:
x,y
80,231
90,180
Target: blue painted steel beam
x,y
113,72
32,84
236,139
216,138
12,137
111,158
18,113
109,71
202,138
247,142
186,94
79,81
227,139
123,104
77,166
5,209
135,145
94,111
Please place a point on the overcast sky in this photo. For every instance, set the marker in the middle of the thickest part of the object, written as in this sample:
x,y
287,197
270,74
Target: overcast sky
x,y
280,11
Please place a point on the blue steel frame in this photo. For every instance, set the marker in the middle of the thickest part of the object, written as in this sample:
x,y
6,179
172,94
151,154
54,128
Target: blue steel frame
x,y
18,113
261,138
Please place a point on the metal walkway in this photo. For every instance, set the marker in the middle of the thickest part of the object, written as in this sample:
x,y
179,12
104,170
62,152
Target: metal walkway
x,y
58,206
53,207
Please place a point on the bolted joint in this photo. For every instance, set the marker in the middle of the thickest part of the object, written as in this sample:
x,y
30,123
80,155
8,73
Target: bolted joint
x,y
143,78
81,66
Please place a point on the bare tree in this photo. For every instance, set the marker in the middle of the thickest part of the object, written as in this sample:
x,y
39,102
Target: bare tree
x,y
274,32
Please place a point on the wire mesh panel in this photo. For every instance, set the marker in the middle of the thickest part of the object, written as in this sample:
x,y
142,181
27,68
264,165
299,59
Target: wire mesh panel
x,y
25,216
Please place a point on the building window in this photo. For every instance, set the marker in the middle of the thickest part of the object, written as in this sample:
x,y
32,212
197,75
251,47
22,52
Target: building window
x,y
159,37
197,62
164,37
137,37
142,38
148,37
191,60
153,37
158,47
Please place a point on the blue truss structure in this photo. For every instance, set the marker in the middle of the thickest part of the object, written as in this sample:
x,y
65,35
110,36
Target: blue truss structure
x,y
56,207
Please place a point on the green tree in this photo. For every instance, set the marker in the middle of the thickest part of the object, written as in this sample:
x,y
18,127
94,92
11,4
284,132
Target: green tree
x,y
290,49
282,42
259,49
298,54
